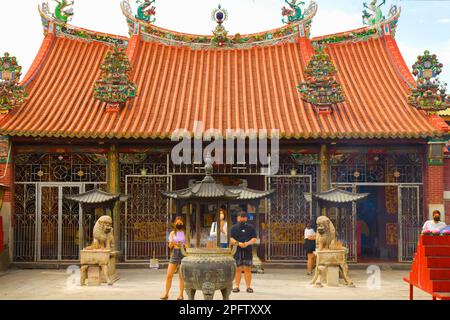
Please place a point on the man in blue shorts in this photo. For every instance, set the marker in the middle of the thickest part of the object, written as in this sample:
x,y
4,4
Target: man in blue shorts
x,y
244,235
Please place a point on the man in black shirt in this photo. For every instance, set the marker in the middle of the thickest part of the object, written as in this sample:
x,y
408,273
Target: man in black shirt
x,y
244,234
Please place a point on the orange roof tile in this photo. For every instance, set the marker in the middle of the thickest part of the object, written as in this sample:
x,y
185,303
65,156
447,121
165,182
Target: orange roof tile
x,y
226,89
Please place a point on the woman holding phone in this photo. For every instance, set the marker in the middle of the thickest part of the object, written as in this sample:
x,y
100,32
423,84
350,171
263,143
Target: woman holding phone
x,y
176,237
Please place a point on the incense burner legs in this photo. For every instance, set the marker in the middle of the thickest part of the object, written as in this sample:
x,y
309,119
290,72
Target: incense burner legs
x,y
208,271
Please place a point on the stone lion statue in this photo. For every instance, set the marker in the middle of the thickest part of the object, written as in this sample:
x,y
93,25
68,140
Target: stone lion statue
x,y
326,234
326,240
103,234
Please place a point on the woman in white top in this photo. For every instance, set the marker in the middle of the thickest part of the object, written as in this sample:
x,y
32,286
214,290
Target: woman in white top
x,y
435,224
310,245
223,230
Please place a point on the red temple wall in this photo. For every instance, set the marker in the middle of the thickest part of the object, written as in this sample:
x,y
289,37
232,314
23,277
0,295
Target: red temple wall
x,y
5,212
6,179
447,189
435,184
447,174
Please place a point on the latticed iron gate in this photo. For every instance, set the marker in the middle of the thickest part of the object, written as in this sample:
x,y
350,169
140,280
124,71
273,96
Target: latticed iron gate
x,y
46,227
409,221
287,216
58,223
147,217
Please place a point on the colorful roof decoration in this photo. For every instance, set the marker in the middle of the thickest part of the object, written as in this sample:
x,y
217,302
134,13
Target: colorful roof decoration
x,y
444,113
295,13
63,11
114,87
250,86
430,93
12,94
150,32
320,88
375,17
146,11
62,29
220,38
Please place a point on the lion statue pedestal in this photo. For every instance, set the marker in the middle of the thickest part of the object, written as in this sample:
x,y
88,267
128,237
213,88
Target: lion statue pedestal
x,y
98,261
331,257
331,265
98,266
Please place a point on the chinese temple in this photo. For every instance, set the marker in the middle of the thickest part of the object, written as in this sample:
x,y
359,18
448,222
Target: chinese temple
x,y
98,111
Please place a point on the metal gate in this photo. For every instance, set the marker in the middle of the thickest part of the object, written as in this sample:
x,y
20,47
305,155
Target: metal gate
x,y
47,227
58,223
288,212
409,221
147,217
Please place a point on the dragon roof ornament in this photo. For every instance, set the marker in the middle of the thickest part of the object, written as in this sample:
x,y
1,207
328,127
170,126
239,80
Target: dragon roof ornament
x,y
375,17
295,13
63,10
287,33
146,11
386,26
52,24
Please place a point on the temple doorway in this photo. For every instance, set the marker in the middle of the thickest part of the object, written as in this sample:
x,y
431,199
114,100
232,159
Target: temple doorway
x,y
377,224
389,222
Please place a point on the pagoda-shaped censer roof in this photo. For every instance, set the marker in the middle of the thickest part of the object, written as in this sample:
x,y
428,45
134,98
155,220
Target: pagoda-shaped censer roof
x,y
335,197
208,189
96,198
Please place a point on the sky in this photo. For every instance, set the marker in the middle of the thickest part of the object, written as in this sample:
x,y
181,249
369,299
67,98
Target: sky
x,y
424,24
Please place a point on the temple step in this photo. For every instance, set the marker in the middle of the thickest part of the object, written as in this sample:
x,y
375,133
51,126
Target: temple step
x,y
441,285
440,273
440,250
430,270
435,240
438,262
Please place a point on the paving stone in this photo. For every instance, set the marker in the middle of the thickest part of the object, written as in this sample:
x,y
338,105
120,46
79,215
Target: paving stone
x,y
145,284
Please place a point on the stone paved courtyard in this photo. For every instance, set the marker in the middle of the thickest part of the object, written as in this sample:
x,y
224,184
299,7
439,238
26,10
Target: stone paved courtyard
x,y
137,284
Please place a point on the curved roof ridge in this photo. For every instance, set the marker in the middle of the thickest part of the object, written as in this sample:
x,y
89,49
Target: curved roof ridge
x,y
342,33
39,59
73,32
387,26
151,32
